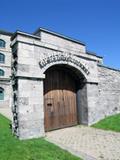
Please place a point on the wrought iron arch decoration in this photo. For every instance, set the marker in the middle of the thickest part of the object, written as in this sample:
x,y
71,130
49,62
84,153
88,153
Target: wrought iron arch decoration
x,y
2,58
63,58
1,93
2,43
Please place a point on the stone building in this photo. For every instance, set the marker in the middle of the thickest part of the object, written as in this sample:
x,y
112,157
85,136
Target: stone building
x,y
49,81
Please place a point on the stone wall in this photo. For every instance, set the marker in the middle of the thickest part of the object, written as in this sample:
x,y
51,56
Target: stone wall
x,y
30,107
5,105
82,105
98,95
92,100
109,91
61,41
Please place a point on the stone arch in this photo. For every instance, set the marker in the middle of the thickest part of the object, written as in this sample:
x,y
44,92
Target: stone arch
x,y
2,72
1,93
2,58
2,43
78,70
81,93
64,59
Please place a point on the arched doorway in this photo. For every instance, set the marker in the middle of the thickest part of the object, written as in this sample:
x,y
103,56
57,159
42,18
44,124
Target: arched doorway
x,y
60,97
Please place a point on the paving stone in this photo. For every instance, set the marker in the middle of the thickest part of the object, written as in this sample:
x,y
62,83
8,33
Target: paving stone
x,y
87,142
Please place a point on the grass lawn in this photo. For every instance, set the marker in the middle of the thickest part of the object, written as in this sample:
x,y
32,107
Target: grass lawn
x,y
36,149
109,123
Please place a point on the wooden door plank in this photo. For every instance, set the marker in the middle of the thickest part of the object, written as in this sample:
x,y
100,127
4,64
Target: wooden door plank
x,y
60,88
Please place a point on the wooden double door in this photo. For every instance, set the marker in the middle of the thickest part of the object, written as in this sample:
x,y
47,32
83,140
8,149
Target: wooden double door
x,y
59,99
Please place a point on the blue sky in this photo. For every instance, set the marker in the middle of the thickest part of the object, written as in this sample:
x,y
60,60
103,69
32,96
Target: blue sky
x,y
95,22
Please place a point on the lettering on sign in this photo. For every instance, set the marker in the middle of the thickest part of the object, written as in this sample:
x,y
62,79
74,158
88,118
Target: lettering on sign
x,y
62,57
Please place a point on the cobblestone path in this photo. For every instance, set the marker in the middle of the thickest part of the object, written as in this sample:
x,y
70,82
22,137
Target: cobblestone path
x,y
87,142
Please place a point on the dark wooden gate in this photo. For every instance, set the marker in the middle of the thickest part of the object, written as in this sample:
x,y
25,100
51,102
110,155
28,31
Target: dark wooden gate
x,y
59,99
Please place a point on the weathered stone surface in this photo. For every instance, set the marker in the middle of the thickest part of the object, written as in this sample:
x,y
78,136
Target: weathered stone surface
x,y
23,101
98,93
87,142
109,91
5,105
23,67
82,105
